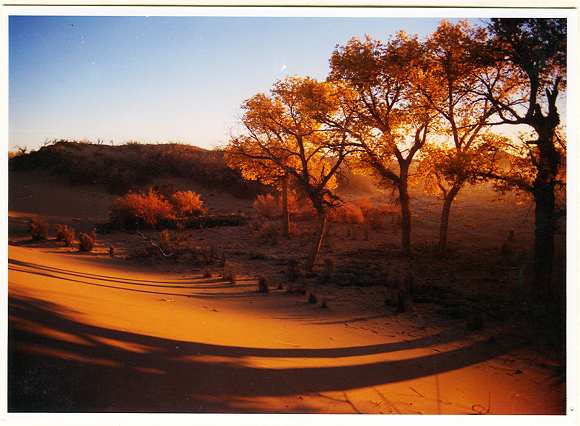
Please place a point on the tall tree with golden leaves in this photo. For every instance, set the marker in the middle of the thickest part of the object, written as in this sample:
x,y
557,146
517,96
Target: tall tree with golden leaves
x,y
284,137
450,68
391,123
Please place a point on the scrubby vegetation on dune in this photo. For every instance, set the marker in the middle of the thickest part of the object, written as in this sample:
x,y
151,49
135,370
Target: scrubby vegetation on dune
x,y
133,165
177,210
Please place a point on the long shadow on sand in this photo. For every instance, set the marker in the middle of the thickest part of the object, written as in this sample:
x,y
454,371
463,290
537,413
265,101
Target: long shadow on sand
x,y
89,374
198,284
133,281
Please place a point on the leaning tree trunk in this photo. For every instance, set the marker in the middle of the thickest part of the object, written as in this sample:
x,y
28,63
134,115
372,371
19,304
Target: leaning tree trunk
x,y
405,212
285,211
445,213
318,241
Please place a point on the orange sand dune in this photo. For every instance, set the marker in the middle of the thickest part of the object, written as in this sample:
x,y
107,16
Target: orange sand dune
x,y
94,335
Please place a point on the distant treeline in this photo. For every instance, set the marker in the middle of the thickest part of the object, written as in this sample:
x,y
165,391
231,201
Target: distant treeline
x,y
131,166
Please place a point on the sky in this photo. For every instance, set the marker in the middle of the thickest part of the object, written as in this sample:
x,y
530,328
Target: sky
x,y
162,79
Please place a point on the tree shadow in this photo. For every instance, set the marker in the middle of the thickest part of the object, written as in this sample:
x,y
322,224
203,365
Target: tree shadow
x,y
133,281
101,371
201,284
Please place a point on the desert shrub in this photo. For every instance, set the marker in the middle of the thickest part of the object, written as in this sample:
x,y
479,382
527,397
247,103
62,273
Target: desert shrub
x,y
86,242
364,204
121,168
60,232
150,209
165,239
188,203
346,213
165,236
269,233
300,207
212,221
120,181
263,285
66,234
229,274
377,217
267,206
38,229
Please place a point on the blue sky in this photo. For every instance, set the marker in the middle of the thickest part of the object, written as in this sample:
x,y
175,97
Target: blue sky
x,y
162,78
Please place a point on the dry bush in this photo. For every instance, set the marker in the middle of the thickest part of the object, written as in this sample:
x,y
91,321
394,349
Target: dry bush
x,y
66,234
150,209
346,213
293,272
376,216
165,236
165,239
188,203
300,208
86,242
328,270
133,165
169,246
38,229
379,216
229,274
269,233
267,206
365,204
263,285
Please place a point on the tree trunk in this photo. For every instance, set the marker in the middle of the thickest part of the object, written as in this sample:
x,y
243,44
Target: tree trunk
x,y
445,213
285,212
318,241
405,213
544,198
543,239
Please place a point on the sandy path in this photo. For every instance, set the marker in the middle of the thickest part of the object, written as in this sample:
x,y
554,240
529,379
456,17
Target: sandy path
x,y
89,334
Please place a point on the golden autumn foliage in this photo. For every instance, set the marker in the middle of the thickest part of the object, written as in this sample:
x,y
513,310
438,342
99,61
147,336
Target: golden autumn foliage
x,y
149,209
284,136
287,137
188,203
387,104
391,122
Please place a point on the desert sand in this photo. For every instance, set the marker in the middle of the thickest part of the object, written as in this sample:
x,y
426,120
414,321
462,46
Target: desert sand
x,y
88,334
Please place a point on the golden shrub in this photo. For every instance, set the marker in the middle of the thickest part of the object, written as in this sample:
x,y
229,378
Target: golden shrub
x,y
188,203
